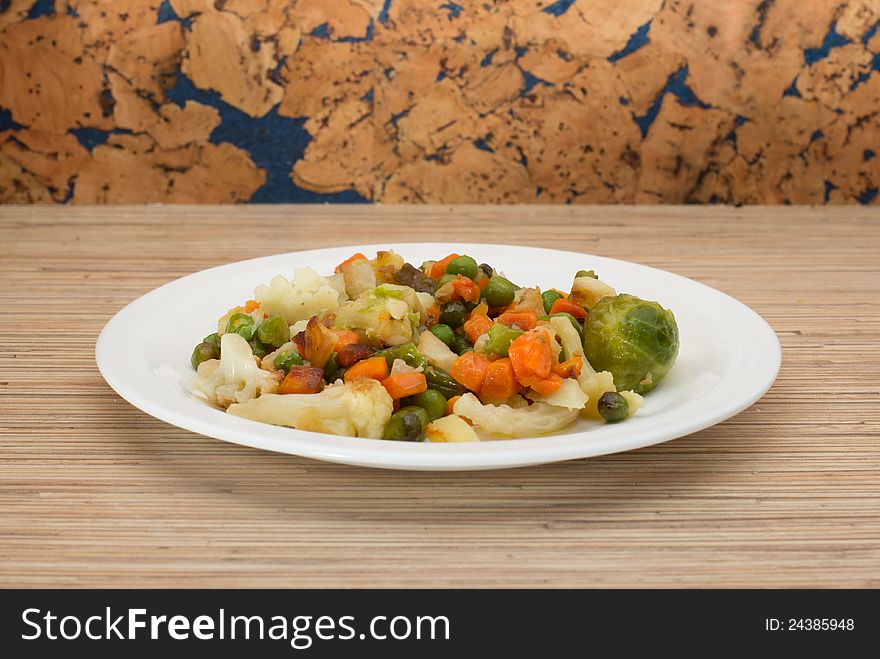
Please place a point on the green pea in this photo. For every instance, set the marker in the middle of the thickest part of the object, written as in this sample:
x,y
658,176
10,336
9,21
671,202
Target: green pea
x,y
443,279
453,314
242,324
259,348
463,265
202,353
441,381
433,402
444,333
214,341
549,297
499,292
405,425
613,407
274,331
284,360
500,338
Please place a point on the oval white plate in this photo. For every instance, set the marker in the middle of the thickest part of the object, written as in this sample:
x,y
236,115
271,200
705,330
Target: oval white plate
x,y
729,357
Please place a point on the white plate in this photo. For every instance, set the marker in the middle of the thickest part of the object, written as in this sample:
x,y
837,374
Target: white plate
x,y
729,357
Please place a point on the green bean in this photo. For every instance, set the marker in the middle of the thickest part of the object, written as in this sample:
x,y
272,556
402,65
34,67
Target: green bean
x,y
613,407
463,265
587,273
444,333
331,368
408,352
461,345
432,401
274,331
202,353
499,292
549,297
453,314
241,324
441,381
284,360
500,338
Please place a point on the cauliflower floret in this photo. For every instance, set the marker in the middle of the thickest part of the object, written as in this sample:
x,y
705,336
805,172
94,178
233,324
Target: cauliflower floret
x,y
587,291
450,428
384,314
436,352
568,395
536,419
360,408
307,295
235,377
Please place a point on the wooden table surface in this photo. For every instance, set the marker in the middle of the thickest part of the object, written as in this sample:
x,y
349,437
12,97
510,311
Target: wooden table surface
x,y
94,492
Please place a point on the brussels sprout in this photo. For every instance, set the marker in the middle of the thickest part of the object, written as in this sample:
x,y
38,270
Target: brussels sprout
x,y
636,340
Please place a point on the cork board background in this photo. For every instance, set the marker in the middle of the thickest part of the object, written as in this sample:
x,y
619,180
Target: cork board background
x,y
532,101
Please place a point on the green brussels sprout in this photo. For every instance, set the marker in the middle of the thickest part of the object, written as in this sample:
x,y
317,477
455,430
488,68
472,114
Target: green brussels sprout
x,y
636,340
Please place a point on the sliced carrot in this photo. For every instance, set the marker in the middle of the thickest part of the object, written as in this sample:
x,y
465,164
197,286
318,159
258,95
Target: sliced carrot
x,y
302,380
350,259
318,343
531,357
450,404
433,315
465,289
548,385
477,326
401,385
251,305
469,370
375,368
345,338
524,320
438,269
570,368
567,306
499,383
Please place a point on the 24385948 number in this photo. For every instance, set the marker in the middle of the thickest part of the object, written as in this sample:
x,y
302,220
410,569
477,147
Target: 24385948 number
x,y
820,624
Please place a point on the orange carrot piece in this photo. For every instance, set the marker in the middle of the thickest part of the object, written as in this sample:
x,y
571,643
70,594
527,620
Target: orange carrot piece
x,y
567,306
302,380
531,357
251,305
433,315
524,320
350,259
548,385
477,326
570,368
499,383
482,283
375,368
465,289
401,385
450,404
469,370
345,338
438,269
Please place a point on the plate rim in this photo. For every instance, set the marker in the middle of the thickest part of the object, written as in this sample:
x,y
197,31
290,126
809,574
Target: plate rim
x,y
421,456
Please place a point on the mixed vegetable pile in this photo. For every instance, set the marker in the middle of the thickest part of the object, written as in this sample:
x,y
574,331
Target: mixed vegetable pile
x,y
450,351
